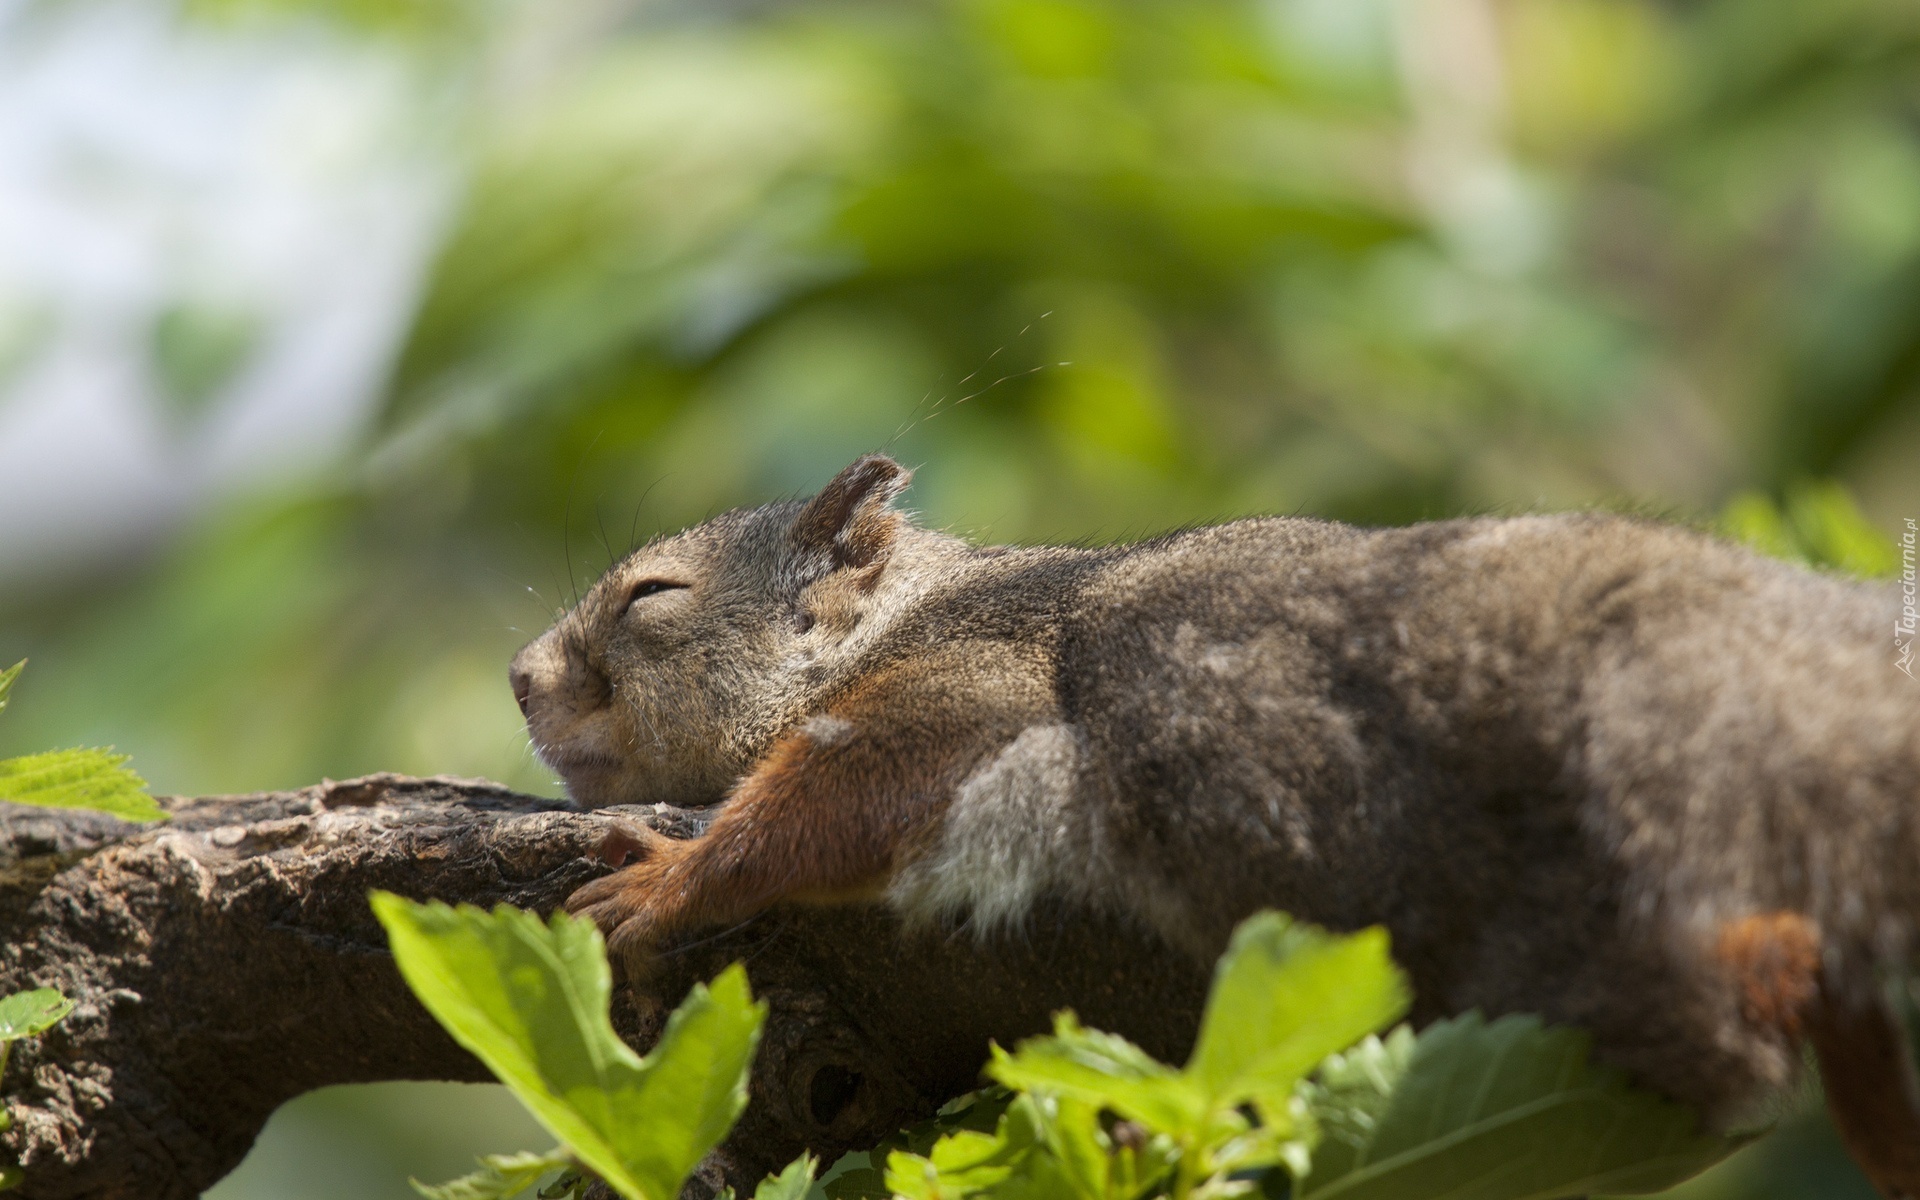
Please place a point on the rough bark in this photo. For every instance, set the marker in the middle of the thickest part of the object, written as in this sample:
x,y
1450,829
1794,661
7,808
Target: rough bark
x,y
227,961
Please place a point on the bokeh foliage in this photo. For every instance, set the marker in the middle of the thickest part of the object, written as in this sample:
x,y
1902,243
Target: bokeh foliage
x,y
1096,267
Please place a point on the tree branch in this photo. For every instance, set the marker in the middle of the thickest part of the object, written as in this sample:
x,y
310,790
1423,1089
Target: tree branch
x,y
227,961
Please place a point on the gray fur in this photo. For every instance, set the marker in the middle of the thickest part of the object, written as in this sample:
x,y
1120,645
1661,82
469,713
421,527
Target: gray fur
x,y
1549,753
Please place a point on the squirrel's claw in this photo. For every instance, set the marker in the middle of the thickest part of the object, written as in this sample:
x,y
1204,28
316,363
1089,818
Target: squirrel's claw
x,y
609,899
621,905
624,843
601,900
626,903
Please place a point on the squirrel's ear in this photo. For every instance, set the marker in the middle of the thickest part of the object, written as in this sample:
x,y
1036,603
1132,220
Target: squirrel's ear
x,y
851,521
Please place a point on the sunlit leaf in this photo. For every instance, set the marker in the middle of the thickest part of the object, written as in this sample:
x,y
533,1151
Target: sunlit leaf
x,y
1104,1070
25,1014
960,1164
1285,996
981,1111
790,1184
1510,1111
500,1177
95,779
967,1161
1837,534
1819,524
6,681
530,1000
858,1183
568,1185
1072,1133
1350,1094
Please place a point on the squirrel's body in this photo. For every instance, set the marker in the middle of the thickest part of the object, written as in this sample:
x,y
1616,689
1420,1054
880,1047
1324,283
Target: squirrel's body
x,y
1613,772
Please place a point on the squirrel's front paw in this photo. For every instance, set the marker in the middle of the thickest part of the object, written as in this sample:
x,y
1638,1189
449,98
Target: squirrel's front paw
x,y
628,905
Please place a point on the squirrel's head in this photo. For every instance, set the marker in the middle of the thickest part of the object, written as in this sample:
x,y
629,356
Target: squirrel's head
x,y
683,663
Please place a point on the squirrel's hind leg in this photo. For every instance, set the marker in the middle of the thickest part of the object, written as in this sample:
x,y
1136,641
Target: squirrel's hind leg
x,y
1866,1064
1867,1068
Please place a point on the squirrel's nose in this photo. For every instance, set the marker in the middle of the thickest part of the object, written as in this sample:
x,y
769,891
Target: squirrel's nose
x,y
522,682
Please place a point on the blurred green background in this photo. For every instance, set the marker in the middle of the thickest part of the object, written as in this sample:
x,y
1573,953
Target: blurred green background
x,y
553,277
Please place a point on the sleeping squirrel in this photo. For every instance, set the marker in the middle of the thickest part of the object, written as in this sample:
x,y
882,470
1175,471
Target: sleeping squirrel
x,y
1613,772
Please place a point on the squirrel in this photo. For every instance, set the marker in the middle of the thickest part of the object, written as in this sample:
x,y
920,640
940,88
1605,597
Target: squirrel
x,y
1615,772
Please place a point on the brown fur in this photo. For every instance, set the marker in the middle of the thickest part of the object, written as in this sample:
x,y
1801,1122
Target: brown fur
x,y
1775,957
1866,1065
1613,772
1864,1056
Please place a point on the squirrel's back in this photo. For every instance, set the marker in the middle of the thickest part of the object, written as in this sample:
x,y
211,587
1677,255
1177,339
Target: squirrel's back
x,y
1561,758
1618,773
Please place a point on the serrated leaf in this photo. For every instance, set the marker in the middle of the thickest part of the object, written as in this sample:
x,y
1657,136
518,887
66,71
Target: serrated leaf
x,y
1286,995
980,1109
967,1161
1513,1111
1350,1094
6,681
95,779
1072,1134
1040,1177
1103,1070
960,1164
25,1014
500,1177
569,1185
790,1184
530,1000
857,1183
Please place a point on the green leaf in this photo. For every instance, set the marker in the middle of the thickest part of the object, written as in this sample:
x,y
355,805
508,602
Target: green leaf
x,y
1753,518
1350,1094
1285,996
1103,1070
567,1186
500,1176
530,1000
961,1163
1512,1111
967,1161
1837,534
1041,1176
790,1184
1072,1134
25,1014
197,351
858,1183
1818,524
96,779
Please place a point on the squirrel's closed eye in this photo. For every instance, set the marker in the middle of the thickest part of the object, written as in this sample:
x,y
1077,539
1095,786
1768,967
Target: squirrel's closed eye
x,y
650,587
